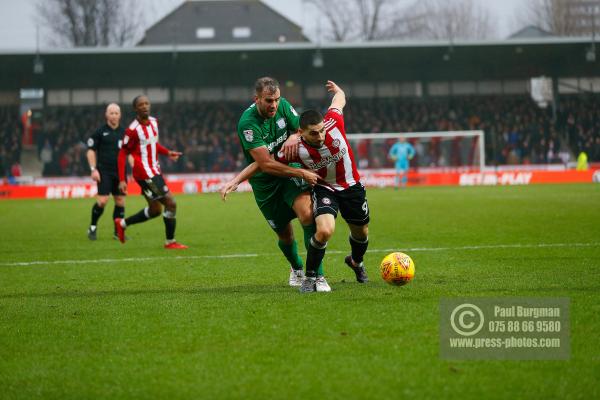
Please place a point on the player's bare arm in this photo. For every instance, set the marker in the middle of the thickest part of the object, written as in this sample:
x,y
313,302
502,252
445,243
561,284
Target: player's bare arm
x,y
339,97
268,165
91,157
233,184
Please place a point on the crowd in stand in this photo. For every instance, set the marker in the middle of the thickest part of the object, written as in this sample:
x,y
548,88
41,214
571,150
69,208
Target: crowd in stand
x,y
10,142
517,131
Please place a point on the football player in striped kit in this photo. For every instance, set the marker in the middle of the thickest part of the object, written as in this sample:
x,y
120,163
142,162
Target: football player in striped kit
x,y
141,141
324,148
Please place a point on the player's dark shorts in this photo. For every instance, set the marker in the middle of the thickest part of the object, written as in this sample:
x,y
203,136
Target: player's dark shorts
x,y
351,202
109,184
154,188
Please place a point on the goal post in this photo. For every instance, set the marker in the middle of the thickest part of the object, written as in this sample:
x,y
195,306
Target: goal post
x,y
433,149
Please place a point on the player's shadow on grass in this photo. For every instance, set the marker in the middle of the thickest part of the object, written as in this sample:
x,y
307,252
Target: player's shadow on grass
x,y
355,290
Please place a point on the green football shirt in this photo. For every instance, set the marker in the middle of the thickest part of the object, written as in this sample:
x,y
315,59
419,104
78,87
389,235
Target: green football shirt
x,y
255,131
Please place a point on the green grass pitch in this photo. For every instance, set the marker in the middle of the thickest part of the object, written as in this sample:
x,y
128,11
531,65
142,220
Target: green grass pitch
x,y
82,320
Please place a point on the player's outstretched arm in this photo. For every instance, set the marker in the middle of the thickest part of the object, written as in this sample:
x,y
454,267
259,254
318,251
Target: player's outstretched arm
x,y
172,154
339,97
268,165
233,184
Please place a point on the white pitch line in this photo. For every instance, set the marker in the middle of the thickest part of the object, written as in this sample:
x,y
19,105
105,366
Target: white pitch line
x,y
109,260
250,255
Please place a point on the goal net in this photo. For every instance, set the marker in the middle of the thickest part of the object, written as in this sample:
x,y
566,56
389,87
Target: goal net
x,y
448,149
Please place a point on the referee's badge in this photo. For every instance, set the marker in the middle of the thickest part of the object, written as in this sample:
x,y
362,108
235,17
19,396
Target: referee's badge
x,y
326,201
248,135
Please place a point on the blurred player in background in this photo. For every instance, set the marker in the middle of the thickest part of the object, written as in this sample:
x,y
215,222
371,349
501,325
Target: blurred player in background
x,y
282,192
401,153
141,141
324,148
103,150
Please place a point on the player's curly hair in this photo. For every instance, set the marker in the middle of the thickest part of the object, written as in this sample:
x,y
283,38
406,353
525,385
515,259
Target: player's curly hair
x,y
310,117
266,83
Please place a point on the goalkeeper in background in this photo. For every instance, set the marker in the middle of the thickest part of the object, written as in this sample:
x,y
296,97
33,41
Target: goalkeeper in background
x,y
401,153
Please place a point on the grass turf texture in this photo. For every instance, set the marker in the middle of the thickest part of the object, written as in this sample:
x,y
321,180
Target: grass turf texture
x,y
183,325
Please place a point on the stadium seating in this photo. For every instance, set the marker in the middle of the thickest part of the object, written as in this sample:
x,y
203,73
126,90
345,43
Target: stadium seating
x,y
517,130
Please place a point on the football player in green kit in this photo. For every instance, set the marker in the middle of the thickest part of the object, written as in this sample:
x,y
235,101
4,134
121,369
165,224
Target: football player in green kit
x,y
282,192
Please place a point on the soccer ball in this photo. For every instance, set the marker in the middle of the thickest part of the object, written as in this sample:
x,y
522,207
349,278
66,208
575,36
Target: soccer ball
x,y
397,269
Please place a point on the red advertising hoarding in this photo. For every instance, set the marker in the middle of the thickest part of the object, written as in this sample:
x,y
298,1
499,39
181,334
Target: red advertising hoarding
x,y
65,188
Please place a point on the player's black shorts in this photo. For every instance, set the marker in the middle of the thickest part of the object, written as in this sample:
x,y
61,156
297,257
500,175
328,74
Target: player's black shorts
x,y
352,203
109,184
154,188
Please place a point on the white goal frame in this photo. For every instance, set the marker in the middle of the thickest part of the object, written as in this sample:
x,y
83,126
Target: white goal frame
x,y
444,134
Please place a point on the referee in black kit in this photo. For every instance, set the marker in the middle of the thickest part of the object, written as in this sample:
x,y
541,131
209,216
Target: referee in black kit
x,y
103,150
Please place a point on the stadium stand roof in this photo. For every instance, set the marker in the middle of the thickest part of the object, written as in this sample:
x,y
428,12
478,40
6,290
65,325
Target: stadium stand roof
x,y
206,21
530,31
240,64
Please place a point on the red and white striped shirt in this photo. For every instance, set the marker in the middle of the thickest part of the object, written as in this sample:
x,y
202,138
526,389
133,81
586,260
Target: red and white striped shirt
x,y
334,160
141,141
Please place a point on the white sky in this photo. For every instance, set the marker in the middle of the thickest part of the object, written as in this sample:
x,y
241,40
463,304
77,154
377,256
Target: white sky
x,y
18,27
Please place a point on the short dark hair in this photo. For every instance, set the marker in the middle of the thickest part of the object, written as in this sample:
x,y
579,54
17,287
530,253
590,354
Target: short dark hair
x,y
310,117
266,82
136,98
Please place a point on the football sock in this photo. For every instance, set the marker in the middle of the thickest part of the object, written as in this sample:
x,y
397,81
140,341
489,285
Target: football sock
x,y
290,251
170,223
314,256
96,213
359,248
118,212
309,231
140,216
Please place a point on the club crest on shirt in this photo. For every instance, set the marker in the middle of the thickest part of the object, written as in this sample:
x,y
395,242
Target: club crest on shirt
x,y
336,143
248,135
281,123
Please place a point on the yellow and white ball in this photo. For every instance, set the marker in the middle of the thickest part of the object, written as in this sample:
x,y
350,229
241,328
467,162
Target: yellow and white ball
x,y
397,269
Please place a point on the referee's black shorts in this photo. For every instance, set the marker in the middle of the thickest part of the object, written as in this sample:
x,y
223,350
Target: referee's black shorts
x,y
351,202
109,183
